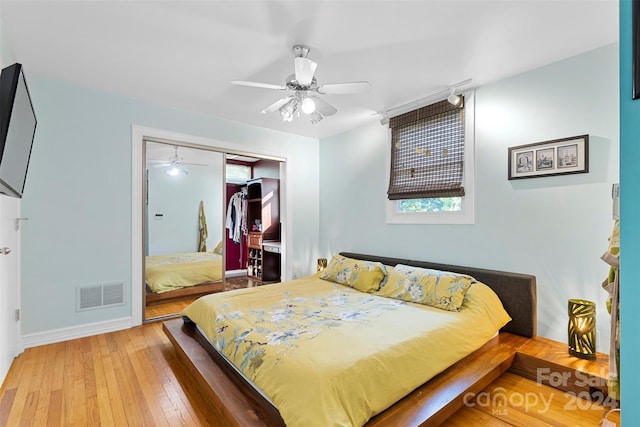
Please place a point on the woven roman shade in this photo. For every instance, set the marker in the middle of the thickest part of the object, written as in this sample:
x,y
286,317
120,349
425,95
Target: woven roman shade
x,y
427,152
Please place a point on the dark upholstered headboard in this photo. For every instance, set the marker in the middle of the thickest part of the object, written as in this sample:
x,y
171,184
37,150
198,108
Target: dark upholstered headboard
x,y
516,291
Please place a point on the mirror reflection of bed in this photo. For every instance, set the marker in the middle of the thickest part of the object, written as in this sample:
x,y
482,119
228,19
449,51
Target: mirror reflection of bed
x,y
189,252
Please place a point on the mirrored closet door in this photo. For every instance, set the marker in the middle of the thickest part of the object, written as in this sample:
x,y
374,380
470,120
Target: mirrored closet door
x,y
184,222
211,222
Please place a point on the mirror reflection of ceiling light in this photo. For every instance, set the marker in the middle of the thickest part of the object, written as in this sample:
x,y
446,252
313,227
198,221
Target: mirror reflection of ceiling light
x,y
177,169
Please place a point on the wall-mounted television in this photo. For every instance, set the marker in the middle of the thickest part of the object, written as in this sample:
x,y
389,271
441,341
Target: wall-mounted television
x,y
17,130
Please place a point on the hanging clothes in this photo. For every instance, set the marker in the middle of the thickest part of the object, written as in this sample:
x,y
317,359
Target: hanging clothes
x,y
235,217
202,229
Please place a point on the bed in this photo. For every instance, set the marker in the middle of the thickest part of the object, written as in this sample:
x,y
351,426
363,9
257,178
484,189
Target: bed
x,y
177,275
208,348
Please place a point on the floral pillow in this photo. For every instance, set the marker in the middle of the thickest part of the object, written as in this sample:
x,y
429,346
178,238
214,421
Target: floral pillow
x,y
364,276
435,288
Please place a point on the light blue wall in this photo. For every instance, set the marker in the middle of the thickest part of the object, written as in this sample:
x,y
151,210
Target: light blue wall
x,y
178,198
6,55
629,228
78,194
554,227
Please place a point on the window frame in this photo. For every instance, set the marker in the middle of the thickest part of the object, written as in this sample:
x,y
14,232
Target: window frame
x,y
466,215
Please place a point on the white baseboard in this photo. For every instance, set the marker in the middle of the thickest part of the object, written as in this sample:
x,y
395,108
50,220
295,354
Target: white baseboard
x,y
233,273
65,334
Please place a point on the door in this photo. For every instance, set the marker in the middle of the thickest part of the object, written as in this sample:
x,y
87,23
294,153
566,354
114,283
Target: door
x,y
184,224
9,282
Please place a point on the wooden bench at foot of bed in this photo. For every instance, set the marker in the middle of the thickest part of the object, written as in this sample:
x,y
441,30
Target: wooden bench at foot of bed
x,y
429,404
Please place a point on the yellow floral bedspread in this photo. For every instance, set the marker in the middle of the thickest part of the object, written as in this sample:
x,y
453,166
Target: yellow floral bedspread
x,y
329,355
175,271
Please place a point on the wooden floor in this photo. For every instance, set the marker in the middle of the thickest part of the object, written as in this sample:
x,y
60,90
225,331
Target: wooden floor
x,y
161,310
512,400
129,377
133,377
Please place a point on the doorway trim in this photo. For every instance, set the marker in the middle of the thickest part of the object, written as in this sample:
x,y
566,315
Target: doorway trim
x,y
138,135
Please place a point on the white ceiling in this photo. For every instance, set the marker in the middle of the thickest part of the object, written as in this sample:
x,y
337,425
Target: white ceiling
x,y
184,53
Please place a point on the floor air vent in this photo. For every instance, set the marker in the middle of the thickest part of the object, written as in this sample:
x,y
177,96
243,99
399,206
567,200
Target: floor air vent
x,y
97,296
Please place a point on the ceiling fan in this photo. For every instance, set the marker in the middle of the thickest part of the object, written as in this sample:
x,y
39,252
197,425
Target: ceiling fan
x,y
175,166
304,90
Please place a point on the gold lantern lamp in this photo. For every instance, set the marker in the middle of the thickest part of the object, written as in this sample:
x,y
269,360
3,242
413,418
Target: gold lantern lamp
x,y
582,328
322,264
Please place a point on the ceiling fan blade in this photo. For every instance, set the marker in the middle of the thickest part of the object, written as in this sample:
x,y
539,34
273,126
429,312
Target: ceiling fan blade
x,y
344,88
176,164
305,68
323,107
256,84
279,103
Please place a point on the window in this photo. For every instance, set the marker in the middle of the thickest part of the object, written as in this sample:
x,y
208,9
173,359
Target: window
x,y
431,165
431,204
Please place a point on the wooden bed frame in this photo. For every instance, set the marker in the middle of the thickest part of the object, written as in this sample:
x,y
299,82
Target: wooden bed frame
x,y
153,298
238,404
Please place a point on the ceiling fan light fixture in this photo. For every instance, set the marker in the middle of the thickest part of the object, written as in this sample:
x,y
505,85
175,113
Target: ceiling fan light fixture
x,y
286,117
308,105
304,88
316,117
288,109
